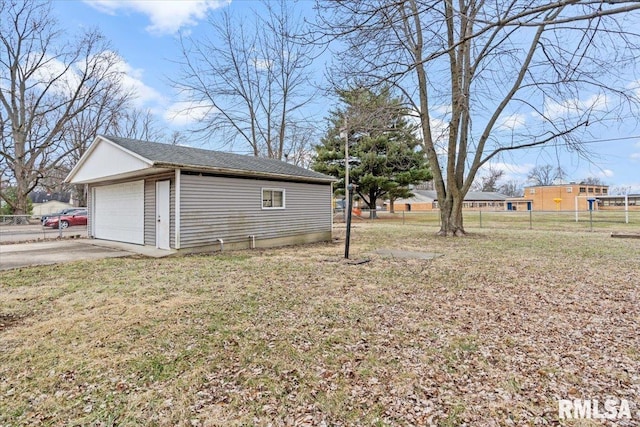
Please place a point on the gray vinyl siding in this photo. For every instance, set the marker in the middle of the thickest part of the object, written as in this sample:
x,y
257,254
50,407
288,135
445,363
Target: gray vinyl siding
x,y
149,212
231,209
150,209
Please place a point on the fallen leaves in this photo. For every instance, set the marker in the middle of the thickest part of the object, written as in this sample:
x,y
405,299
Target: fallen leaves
x,y
493,333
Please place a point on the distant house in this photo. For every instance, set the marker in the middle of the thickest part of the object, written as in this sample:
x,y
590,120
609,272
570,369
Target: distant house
x,y
47,196
426,200
558,197
190,199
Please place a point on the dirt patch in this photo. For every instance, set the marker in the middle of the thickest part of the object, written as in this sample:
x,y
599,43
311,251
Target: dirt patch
x,y
398,253
9,320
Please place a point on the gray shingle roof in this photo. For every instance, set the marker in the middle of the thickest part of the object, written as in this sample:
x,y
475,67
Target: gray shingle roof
x,y
188,157
426,196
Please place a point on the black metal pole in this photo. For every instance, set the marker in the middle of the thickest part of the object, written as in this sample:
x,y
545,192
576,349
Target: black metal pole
x,y
346,243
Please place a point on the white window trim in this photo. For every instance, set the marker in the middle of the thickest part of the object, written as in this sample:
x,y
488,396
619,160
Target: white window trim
x,y
270,208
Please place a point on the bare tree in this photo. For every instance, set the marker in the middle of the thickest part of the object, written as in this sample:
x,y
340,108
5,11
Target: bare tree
x,y
620,190
592,180
136,123
512,188
488,181
299,143
45,83
545,175
250,80
485,78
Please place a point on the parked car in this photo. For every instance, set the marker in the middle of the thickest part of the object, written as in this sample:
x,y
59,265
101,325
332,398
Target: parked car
x,y
68,211
77,217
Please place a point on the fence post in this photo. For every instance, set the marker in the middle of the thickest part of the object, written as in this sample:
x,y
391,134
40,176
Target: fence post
x,y
480,217
530,219
59,227
626,208
402,217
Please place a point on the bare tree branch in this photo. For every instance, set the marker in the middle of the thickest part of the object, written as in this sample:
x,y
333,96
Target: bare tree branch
x,y
485,78
45,83
252,75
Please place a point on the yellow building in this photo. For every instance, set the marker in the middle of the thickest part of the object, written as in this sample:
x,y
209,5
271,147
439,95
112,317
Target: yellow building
x,y
558,197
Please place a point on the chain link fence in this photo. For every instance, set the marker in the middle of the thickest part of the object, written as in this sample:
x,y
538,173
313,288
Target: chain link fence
x,y
597,220
25,228
6,220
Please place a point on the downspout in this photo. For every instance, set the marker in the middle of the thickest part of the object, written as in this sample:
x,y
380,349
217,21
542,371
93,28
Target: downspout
x,y
252,245
221,244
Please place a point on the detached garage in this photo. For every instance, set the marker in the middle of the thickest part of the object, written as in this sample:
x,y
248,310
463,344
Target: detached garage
x,y
190,199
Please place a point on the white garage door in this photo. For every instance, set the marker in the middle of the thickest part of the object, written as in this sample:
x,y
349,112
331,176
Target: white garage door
x,y
118,212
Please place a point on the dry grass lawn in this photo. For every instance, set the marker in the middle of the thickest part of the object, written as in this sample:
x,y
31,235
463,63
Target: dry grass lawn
x,y
493,333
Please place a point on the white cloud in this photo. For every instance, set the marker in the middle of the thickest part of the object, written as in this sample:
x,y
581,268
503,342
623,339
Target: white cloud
x,y
569,107
184,113
166,17
512,171
605,173
63,78
132,81
441,109
59,78
440,134
510,168
511,122
635,156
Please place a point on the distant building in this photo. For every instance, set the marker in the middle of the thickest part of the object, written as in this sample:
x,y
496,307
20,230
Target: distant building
x,y
427,200
47,196
619,202
559,197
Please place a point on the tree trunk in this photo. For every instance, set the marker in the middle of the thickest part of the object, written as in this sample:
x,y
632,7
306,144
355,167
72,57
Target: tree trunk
x,y
392,208
79,192
372,205
21,206
451,218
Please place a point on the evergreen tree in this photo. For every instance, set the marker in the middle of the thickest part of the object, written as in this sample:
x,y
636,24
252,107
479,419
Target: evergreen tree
x,y
384,151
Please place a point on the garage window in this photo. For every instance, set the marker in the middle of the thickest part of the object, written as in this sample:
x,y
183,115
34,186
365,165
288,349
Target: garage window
x,y
273,198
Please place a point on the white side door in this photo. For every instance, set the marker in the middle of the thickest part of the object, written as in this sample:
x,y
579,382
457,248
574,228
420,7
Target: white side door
x,y
163,218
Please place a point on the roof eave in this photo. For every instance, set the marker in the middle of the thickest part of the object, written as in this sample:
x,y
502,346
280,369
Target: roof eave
x,y
245,173
70,176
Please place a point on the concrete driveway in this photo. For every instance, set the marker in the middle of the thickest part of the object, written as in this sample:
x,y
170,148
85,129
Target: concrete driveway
x,y
59,251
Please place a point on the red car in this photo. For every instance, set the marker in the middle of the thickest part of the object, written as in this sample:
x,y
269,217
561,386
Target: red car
x,y
74,218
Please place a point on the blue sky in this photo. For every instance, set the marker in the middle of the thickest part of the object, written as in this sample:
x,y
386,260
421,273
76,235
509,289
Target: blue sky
x,y
144,33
